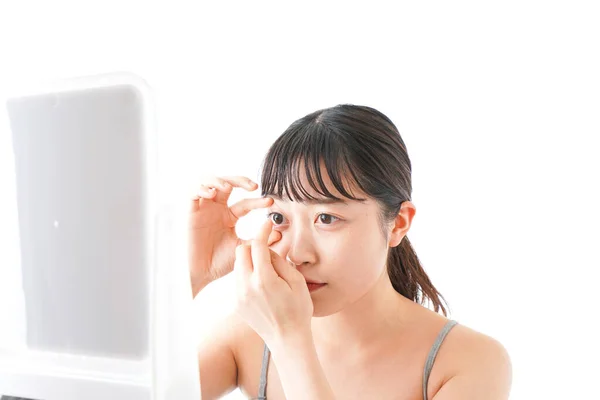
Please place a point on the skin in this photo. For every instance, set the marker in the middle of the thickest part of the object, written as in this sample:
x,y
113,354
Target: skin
x,y
354,338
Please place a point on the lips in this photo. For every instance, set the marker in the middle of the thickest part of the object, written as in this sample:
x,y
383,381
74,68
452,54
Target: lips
x,y
312,286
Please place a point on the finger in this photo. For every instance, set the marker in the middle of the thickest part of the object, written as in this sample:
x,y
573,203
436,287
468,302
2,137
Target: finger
x,y
202,192
261,256
287,271
225,185
274,237
222,187
242,265
236,181
244,206
241,182
206,192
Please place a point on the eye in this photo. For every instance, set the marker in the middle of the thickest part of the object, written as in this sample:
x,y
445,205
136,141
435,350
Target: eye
x,y
279,219
276,218
327,219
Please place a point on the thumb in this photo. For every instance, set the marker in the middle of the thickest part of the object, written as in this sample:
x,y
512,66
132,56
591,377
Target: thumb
x,y
274,237
286,271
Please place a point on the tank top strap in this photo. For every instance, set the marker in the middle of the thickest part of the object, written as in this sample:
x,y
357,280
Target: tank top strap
x,y
433,353
262,387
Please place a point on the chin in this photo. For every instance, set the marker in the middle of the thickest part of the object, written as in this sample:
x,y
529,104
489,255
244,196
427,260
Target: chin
x,y
324,310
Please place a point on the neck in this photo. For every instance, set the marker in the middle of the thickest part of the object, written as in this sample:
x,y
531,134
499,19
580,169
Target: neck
x,y
380,312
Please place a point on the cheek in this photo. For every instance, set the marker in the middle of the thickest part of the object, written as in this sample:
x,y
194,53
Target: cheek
x,y
358,259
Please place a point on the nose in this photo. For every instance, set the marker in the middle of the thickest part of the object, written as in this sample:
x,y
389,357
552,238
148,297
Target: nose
x,y
300,247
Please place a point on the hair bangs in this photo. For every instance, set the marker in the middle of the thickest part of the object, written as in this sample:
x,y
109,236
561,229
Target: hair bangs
x,y
304,154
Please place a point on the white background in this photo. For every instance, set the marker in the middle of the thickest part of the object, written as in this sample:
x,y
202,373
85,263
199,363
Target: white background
x,y
498,103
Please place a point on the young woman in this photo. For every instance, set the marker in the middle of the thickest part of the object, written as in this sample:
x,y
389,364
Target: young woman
x,y
331,295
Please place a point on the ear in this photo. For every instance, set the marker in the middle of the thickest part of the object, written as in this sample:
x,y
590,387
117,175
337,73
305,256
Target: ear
x,y
402,223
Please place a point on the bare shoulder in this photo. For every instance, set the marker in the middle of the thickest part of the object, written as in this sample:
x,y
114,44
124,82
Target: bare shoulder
x,y
474,366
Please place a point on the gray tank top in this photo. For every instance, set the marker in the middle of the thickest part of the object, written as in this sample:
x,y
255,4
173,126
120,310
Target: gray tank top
x,y
262,388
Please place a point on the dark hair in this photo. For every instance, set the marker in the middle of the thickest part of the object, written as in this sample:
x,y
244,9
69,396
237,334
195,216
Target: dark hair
x,y
359,147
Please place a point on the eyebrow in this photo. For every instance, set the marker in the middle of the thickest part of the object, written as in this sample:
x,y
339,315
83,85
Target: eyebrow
x,y
322,200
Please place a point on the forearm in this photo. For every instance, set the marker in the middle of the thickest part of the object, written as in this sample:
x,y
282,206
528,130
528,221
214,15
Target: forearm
x,y
299,369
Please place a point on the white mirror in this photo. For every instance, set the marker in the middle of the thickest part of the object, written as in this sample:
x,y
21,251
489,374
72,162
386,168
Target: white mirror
x,y
85,165
83,204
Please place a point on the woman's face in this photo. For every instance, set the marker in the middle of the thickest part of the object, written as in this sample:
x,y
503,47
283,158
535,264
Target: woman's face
x,y
339,244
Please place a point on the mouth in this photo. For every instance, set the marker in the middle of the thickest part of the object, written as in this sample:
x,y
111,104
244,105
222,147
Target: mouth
x,y
312,286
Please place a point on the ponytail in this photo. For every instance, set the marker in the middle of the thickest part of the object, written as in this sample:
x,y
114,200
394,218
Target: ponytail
x,y
409,278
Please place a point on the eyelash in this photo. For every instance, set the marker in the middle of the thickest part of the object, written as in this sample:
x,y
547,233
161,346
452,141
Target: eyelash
x,y
269,215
